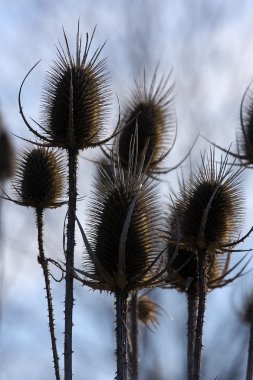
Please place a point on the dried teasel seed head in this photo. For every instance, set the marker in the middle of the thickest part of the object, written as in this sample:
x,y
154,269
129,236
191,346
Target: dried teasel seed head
x,y
208,211
148,311
124,217
76,98
151,111
245,136
39,180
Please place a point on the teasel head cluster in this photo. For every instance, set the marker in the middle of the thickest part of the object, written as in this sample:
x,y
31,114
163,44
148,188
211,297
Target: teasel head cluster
x,y
150,110
124,250
75,100
206,215
39,178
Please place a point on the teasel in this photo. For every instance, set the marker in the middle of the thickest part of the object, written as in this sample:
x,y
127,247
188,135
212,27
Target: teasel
x,y
75,106
206,218
244,138
39,183
150,110
124,252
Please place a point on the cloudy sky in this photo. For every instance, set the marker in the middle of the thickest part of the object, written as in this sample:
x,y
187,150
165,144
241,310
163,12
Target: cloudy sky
x,y
209,45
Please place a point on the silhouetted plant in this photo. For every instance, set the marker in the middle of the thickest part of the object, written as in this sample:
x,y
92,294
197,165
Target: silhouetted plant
x,y
75,105
124,250
151,110
39,183
205,219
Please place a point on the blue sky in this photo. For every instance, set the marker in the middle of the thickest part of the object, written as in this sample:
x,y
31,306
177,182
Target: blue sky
x,y
210,47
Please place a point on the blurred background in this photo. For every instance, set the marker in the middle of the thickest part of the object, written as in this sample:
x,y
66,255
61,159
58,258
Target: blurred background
x,y
209,45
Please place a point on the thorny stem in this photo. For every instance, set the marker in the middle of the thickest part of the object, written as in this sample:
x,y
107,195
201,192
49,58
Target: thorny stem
x,y
192,298
44,265
69,294
121,333
249,374
202,285
133,346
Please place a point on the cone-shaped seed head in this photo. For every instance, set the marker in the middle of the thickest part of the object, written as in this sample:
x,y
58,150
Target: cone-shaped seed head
x,y
114,196
208,211
76,99
245,137
39,178
152,112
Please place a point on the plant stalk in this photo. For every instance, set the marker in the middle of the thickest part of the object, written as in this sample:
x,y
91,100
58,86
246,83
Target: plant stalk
x,y
249,374
121,333
69,293
133,346
42,261
202,286
192,298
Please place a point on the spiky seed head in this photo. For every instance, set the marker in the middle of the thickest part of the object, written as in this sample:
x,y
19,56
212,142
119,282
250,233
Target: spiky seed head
x,y
148,311
245,136
39,180
6,155
76,98
209,209
151,111
128,265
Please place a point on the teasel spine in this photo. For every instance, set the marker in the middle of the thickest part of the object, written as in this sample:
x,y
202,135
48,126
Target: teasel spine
x,y
44,265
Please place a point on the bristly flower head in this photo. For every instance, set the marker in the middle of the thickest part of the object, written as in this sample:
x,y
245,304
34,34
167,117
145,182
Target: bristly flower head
x,y
151,111
245,134
124,250
245,138
39,179
208,211
206,215
76,98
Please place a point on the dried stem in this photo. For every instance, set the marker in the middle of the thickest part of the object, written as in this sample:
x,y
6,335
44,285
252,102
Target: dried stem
x,y
69,294
202,286
44,264
133,346
192,297
121,333
249,374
